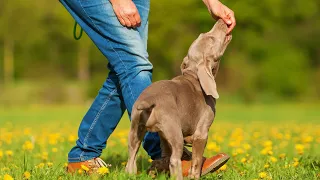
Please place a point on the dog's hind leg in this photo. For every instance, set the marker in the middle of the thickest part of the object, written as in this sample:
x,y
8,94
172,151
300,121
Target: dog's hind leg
x,y
137,132
174,137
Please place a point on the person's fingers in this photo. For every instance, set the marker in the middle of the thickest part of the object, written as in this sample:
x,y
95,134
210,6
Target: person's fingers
x,y
132,20
126,20
137,18
233,23
232,19
121,20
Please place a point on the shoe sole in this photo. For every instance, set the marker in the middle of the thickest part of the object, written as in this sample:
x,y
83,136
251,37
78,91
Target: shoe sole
x,y
214,167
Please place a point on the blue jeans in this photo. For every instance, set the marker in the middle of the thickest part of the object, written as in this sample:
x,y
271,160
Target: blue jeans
x,y
130,73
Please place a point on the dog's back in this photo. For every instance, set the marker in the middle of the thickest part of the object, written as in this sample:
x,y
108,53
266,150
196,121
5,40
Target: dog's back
x,y
182,98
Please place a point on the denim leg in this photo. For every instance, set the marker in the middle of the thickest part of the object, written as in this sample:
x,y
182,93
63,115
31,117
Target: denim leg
x,y
99,122
125,48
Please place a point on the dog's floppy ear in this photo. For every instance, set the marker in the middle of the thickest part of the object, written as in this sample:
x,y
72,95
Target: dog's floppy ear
x,y
207,80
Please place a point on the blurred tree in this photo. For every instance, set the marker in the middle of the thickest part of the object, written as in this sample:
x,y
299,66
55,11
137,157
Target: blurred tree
x,y
274,53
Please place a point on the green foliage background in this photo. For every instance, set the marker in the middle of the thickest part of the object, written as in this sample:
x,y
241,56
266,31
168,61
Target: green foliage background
x,y
274,54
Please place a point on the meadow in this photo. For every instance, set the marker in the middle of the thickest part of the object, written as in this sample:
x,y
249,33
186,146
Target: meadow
x,y
264,141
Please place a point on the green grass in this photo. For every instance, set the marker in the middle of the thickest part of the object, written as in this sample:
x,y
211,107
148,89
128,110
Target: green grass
x,y
53,128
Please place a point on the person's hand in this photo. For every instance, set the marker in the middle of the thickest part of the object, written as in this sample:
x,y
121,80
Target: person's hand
x,y
126,12
219,10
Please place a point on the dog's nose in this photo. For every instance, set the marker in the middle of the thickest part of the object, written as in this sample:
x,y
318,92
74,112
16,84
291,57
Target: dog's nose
x,y
220,25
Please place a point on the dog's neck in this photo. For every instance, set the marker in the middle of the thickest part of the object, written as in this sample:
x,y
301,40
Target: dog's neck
x,y
188,73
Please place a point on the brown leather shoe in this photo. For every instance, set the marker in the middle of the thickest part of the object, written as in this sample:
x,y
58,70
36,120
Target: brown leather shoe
x,y
89,166
209,165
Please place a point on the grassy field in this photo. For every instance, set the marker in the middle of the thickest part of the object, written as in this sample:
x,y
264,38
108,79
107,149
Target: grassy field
x,y
264,142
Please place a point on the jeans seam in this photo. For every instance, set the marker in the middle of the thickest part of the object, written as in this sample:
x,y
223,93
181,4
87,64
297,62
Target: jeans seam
x,y
96,119
126,69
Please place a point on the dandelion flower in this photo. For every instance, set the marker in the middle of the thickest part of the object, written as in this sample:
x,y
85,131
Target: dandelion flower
x,y
273,159
283,155
7,177
296,163
266,166
26,175
84,168
27,146
150,160
246,146
299,148
223,168
267,143
80,171
263,175
49,164
213,146
124,163
243,160
9,153
1,154
103,170
41,165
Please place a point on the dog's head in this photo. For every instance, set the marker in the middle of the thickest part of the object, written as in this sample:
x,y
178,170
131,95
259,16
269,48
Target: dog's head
x,y
204,56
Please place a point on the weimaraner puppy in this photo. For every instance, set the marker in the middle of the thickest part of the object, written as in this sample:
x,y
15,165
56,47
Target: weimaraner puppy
x,y
182,108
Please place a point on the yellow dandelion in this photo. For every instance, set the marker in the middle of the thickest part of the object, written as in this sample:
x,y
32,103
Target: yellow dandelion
x,y
282,156
213,147
262,175
41,165
65,165
71,138
223,168
273,159
295,159
49,164
7,177
27,146
266,166
80,171
270,152
26,175
296,163
103,170
243,160
299,148
239,151
124,163
84,168
27,131
246,146
123,141
267,143
307,139
44,156
9,153
150,160
1,154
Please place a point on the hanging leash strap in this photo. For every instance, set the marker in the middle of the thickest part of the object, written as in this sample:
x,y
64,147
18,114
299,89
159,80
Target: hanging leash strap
x,y
75,31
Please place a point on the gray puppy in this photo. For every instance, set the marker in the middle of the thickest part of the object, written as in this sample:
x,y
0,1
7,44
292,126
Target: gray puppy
x,y
182,108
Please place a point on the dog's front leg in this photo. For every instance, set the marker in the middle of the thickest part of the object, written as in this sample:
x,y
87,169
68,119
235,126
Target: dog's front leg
x,y
199,143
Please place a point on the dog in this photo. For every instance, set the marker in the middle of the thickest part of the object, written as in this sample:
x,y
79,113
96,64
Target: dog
x,y
182,109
